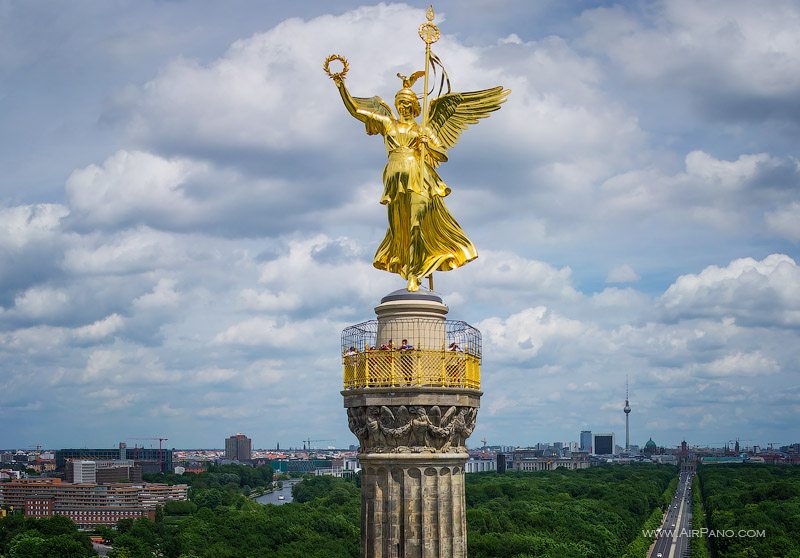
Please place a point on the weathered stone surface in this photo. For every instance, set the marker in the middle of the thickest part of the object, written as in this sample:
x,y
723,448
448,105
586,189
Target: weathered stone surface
x,y
413,429
408,396
413,507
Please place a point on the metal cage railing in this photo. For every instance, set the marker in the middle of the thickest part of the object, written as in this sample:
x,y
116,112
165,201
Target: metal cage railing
x,y
422,333
440,353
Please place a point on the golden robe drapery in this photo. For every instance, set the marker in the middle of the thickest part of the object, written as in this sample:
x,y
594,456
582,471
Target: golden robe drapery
x,y
422,235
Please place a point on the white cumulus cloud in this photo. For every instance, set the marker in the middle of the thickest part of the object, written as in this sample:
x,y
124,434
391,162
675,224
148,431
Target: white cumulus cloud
x,y
622,274
761,292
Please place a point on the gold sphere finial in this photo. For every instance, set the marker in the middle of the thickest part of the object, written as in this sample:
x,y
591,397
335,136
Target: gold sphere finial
x,y
429,13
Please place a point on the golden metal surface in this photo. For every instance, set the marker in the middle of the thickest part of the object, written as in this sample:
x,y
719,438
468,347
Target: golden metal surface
x,y
429,33
437,368
336,75
422,236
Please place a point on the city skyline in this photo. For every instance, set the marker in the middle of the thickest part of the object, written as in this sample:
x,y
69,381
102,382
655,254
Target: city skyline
x,y
730,444
180,247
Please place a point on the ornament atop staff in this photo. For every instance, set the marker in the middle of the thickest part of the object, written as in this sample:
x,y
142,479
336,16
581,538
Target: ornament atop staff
x,y
422,236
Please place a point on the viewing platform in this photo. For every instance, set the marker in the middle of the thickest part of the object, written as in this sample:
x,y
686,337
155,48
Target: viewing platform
x,y
440,353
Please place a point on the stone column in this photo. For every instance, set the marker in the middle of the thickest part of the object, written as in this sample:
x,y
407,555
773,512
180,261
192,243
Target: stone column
x,y
412,445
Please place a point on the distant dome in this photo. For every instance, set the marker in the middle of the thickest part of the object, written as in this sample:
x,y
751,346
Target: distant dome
x,y
650,446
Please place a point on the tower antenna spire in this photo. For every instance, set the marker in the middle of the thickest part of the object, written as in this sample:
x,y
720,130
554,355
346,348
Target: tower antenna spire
x,y
627,410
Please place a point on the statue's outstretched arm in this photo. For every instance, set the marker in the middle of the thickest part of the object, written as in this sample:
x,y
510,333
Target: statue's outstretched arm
x,y
348,100
372,111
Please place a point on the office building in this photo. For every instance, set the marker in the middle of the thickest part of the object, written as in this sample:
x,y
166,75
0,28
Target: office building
x,y
238,448
80,471
151,460
299,465
504,462
535,460
88,505
603,444
586,440
480,465
102,472
118,471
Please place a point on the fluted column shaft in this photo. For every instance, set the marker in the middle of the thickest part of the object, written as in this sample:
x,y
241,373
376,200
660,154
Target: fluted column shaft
x,y
413,506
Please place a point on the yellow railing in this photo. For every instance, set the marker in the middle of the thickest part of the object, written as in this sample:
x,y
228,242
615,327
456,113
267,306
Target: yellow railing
x,y
377,368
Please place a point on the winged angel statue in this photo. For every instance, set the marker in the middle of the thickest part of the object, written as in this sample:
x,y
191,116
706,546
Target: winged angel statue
x,y
422,236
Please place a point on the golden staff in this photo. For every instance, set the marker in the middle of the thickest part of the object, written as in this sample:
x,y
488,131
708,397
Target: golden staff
x,y
429,34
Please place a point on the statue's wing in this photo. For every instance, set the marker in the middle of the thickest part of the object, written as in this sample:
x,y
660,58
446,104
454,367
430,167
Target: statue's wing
x,y
451,114
387,418
436,415
471,420
448,416
376,106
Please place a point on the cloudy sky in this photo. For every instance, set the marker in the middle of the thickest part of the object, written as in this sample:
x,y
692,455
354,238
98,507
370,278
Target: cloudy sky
x,y
188,216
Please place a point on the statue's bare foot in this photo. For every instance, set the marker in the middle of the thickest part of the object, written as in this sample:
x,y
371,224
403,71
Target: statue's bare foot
x,y
413,284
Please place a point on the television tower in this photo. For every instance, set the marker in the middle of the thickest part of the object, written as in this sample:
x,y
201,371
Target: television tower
x,y
627,410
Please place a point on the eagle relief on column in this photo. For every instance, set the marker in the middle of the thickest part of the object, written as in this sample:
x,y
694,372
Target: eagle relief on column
x,y
414,429
422,236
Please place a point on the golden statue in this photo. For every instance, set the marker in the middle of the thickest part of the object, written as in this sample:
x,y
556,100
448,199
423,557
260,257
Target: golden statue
x,y
422,236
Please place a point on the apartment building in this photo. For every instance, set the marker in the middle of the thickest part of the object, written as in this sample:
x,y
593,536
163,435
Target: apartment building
x,y
87,504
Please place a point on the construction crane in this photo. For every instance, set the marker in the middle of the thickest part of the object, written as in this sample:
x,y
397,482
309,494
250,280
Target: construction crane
x,y
308,448
484,443
160,450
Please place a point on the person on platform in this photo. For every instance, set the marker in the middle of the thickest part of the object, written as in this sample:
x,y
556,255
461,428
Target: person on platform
x,y
406,346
